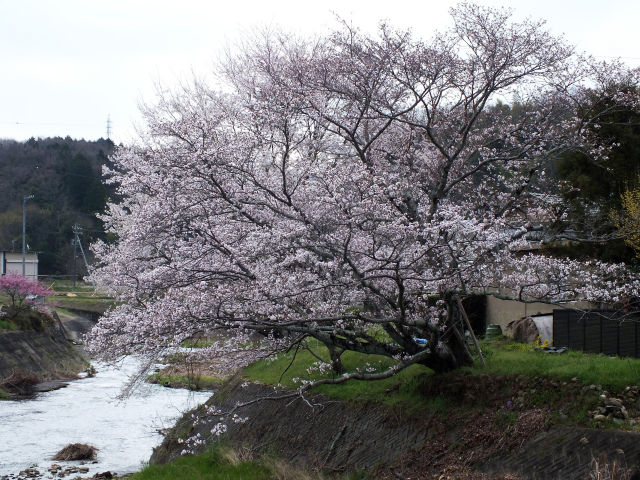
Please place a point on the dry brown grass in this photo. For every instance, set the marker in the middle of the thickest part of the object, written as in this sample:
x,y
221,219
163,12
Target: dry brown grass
x,y
283,470
76,451
19,382
236,456
603,469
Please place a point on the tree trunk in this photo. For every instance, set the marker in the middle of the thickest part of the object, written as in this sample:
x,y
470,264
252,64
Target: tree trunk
x,y
451,351
336,363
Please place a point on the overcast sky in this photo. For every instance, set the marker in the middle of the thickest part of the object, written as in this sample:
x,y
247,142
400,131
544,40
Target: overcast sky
x,y
68,65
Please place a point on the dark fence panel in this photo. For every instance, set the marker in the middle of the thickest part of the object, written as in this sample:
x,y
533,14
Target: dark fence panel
x,y
577,327
597,331
628,340
561,327
592,333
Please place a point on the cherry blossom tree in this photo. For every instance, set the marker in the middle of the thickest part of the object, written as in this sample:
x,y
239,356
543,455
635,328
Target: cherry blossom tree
x,y
350,189
19,289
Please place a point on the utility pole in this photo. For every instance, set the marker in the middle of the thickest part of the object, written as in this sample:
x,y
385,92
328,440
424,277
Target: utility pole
x,y
24,230
75,253
77,230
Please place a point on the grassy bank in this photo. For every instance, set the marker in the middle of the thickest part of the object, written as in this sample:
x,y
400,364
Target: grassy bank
x,y
195,382
505,357
216,464
82,296
223,463
85,302
286,368
502,357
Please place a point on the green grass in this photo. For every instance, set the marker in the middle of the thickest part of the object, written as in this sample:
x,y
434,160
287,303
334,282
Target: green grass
x,y
400,389
211,465
4,395
67,285
196,382
200,342
6,324
84,296
222,463
86,303
504,357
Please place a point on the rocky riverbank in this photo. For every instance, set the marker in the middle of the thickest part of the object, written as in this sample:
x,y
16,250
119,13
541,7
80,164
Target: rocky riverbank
x,y
57,471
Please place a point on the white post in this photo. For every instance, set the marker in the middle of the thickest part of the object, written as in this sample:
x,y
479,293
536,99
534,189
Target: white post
x,y
24,230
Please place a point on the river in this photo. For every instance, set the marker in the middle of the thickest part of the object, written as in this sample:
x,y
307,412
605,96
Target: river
x,y
88,411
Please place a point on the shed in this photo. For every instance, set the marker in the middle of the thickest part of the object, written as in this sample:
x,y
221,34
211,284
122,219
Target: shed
x,y
11,262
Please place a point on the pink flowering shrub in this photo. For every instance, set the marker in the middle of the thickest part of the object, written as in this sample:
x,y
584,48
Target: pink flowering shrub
x,y
20,290
21,293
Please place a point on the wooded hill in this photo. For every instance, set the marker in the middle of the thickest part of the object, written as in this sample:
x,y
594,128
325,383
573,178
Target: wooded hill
x,y
64,176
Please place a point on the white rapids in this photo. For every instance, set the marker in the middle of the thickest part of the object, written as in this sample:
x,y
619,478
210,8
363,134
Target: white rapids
x,y
88,411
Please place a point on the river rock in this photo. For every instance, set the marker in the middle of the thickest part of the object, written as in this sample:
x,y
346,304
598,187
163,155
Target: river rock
x,y
610,408
31,473
103,476
615,402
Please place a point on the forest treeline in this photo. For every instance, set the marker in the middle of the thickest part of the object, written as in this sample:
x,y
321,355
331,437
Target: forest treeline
x,y
65,178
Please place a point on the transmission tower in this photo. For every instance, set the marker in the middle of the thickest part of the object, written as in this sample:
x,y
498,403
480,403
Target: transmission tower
x,y
108,127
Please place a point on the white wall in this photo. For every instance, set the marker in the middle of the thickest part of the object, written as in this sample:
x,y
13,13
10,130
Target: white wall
x,y
12,263
502,312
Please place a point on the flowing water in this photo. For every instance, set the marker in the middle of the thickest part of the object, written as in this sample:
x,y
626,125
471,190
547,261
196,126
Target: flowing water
x,y
87,411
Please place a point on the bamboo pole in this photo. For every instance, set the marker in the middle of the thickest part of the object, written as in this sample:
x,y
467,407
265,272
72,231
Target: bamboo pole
x,y
473,336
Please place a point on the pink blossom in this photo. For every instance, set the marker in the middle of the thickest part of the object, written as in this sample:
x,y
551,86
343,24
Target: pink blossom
x,y
19,288
333,189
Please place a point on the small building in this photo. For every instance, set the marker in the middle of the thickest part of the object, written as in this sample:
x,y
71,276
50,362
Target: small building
x,y
11,262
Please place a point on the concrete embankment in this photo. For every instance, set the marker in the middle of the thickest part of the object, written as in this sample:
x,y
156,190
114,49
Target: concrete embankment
x,y
340,436
43,355
77,323
324,434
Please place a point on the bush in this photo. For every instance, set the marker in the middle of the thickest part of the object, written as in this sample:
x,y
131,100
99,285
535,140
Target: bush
x,y
5,324
22,318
